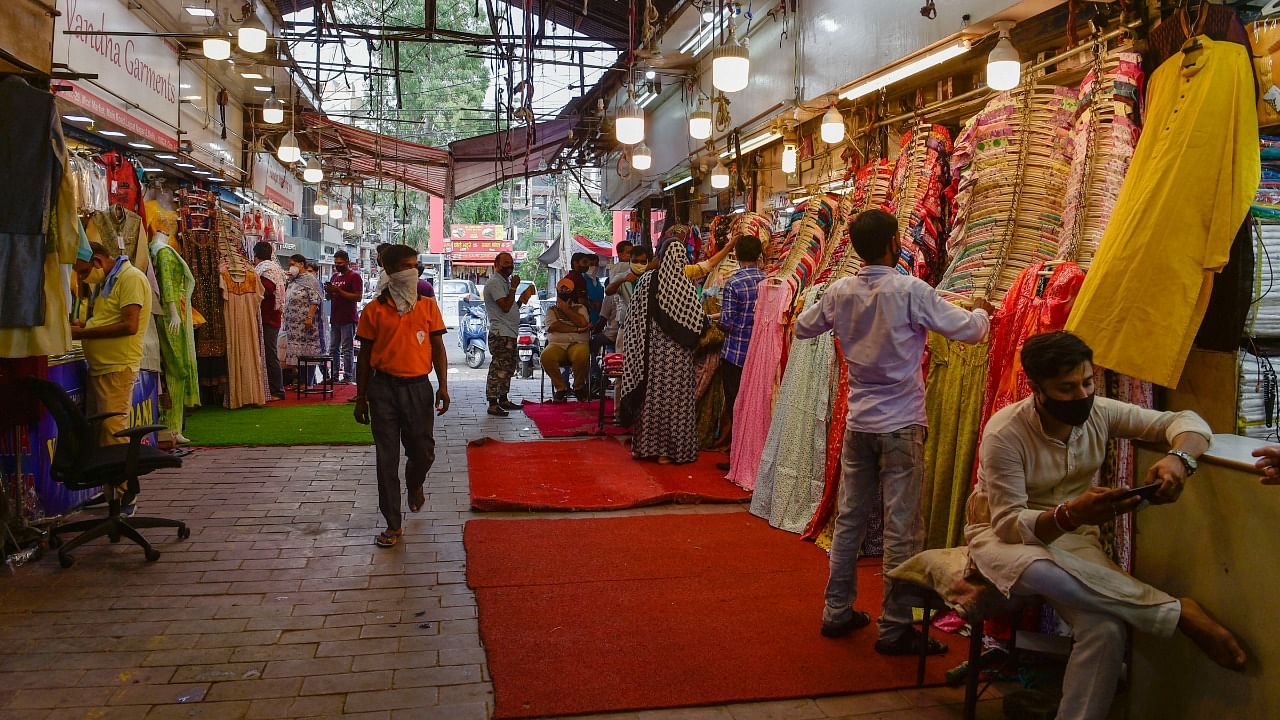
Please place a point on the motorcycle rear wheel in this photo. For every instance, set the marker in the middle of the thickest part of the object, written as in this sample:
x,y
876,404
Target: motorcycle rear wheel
x,y
475,358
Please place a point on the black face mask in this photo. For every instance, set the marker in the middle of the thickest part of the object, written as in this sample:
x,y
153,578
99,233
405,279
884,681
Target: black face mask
x,y
1072,412
565,295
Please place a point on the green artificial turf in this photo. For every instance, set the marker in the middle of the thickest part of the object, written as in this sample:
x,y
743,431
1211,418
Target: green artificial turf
x,y
319,424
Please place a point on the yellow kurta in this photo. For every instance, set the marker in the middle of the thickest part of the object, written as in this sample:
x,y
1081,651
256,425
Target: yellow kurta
x,y
1193,176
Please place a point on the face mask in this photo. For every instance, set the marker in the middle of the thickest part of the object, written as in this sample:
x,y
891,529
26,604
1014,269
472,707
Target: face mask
x,y
563,295
405,279
340,269
506,272
294,270
639,267
96,276
1072,412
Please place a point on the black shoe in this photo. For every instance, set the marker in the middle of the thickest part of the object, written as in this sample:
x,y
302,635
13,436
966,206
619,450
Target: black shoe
x,y
857,621
559,396
910,643
506,404
496,411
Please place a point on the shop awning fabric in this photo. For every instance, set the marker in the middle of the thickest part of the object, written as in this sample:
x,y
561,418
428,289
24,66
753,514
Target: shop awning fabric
x,y
486,160
368,154
551,256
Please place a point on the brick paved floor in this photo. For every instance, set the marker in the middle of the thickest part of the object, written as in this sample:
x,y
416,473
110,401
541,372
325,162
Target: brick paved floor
x,y
279,605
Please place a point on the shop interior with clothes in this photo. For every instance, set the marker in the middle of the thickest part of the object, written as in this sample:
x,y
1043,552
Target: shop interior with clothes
x,y
1106,172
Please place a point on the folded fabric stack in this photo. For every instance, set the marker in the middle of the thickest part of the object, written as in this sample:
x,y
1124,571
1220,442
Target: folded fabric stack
x,y
1015,185
1256,416
1264,318
1266,206
1103,139
922,199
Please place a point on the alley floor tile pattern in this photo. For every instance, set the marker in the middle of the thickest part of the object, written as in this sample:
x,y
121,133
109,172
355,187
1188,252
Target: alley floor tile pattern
x,y
280,606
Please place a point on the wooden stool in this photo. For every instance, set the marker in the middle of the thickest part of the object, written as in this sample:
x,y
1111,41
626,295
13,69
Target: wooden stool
x,y
307,366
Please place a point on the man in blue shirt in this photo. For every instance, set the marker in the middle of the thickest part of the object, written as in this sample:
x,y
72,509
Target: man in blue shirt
x,y
737,317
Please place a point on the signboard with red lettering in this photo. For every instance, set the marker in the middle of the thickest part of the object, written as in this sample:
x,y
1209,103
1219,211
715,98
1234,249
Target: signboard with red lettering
x,y
137,83
476,242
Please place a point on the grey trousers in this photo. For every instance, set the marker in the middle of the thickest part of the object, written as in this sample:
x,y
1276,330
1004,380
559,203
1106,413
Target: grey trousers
x,y
1098,628
893,462
401,413
275,377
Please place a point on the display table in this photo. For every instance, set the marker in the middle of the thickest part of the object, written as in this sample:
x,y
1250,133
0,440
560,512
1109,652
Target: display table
x,y
1218,544
26,451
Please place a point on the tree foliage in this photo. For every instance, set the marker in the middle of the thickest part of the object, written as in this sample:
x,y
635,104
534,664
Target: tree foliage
x,y
588,220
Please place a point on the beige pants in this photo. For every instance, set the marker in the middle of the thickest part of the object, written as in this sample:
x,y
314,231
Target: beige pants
x,y
113,393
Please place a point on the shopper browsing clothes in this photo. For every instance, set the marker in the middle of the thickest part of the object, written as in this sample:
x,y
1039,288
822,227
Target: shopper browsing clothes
x,y
401,339
273,286
344,290
1034,517
302,300
881,319
568,341
664,322
737,317
503,308
112,336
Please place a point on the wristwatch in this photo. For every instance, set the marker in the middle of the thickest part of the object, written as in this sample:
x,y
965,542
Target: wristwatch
x,y
1188,462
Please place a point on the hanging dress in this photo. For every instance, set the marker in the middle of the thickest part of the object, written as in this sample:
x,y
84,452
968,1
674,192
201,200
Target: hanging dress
x,y
754,407
245,368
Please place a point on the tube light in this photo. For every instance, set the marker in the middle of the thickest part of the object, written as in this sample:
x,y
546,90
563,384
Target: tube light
x,y
756,142
77,118
251,75
719,176
184,165
677,183
111,133
832,126
1004,65
920,64
166,156
641,158
629,124
199,11
789,157
702,38
730,66
646,98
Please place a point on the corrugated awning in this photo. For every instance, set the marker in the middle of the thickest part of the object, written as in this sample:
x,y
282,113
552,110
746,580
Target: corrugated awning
x,y
486,160
356,151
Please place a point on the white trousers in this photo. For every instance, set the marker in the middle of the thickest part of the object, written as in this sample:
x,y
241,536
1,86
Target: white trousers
x,y
1098,627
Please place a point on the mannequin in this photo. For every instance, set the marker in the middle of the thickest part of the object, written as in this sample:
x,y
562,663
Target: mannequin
x,y
177,335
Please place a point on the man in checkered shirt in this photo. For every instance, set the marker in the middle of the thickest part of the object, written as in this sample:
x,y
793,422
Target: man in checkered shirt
x,y
737,316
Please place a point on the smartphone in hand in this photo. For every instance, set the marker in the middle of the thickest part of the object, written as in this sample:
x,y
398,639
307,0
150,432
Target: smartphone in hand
x,y
1146,492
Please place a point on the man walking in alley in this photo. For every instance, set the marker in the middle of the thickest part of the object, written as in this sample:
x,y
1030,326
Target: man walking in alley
x,y
881,319
273,284
401,339
737,318
503,308
344,289
112,337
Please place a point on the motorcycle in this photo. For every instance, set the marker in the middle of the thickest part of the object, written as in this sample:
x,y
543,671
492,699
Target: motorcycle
x,y
528,342
474,335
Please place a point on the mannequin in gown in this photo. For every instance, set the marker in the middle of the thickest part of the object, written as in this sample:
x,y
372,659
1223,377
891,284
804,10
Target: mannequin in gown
x,y
177,334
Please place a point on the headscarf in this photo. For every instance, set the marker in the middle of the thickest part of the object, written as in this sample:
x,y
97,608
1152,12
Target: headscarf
x,y
667,297
271,270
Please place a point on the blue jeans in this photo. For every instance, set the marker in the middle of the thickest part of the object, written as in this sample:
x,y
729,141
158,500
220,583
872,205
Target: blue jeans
x,y
342,340
894,462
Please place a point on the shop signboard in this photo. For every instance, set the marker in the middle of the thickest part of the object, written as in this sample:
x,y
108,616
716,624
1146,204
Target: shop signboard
x,y
472,243
274,182
137,83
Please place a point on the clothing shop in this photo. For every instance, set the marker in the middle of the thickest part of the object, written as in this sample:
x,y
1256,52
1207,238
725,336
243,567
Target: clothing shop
x,y
1010,197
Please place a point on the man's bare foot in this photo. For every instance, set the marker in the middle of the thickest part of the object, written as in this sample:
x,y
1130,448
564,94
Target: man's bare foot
x,y
1215,640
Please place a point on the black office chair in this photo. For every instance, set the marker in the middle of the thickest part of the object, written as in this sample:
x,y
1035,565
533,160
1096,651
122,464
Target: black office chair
x,y
81,464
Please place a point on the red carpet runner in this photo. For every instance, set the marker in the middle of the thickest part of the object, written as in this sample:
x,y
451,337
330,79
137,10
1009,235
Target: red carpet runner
x,y
594,474
660,611
572,419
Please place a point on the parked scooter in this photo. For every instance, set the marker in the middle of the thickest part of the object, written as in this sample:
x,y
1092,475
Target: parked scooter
x,y
528,341
473,337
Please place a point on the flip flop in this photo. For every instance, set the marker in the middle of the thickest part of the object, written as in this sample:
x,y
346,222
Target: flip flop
x,y
388,538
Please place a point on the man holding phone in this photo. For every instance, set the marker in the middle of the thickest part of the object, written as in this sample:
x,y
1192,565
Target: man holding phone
x,y
1033,517
401,339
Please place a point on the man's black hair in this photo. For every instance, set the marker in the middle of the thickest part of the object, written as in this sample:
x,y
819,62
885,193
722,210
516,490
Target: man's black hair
x,y
1049,355
871,232
748,248
625,244
395,255
643,249
377,253
262,250
298,258
342,254
498,257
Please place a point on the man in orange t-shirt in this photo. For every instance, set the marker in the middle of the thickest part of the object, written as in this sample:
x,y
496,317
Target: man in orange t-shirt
x,y
401,338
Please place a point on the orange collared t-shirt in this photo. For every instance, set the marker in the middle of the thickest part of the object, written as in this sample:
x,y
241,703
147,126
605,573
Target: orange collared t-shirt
x,y
401,343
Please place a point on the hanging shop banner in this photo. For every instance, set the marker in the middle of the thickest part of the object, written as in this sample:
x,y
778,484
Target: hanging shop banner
x,y
476,243
137,83
277,184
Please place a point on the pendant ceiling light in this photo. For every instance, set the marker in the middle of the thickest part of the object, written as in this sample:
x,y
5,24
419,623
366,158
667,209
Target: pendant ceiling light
x,y
313,173
641,158
273,110
348,224
288,151
252,36
700,123
321,207
789,157
719,176
832,126
629,124
1004,66
335,212
730,65
218,45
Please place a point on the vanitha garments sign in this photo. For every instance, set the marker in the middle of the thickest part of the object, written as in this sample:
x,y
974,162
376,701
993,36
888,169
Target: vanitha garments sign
x,y
140,70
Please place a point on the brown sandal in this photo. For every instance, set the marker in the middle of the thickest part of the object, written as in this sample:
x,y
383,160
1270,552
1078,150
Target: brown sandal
x,y
388,538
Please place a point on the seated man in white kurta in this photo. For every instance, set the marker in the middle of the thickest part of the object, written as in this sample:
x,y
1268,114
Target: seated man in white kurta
x,y
1034,517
